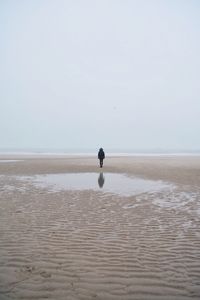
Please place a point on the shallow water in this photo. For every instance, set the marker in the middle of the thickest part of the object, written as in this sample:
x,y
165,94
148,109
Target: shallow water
x,y
8,160
107,183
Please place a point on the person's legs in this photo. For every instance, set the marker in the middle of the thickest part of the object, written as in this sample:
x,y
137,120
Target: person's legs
x,y
101,163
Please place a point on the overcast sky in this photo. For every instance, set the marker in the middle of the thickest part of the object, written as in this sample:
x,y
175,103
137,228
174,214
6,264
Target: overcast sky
x,y
113,73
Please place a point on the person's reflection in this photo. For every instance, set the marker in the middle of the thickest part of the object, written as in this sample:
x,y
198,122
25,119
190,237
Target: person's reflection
x,y
101,180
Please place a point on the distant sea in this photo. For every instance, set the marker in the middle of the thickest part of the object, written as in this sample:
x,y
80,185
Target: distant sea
x,y
93,152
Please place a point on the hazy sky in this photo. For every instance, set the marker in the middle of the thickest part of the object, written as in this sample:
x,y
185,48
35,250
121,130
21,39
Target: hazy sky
x,y
91,73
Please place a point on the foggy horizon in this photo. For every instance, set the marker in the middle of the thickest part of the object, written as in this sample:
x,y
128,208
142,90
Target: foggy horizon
x,y
95,150
122,75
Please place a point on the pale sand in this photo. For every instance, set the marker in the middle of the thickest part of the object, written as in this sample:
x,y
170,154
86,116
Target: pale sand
x,y
91,245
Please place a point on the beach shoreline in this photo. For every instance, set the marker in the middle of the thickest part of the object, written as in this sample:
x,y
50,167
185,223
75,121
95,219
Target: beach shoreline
x,y
87,244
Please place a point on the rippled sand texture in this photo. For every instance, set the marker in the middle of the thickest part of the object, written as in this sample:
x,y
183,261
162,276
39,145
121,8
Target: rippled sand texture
x,y
91,245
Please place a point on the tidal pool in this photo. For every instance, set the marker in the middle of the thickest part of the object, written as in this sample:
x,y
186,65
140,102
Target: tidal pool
x,y
105,182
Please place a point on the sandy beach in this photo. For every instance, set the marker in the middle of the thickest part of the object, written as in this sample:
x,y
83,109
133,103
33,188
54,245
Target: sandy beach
x,y
87,244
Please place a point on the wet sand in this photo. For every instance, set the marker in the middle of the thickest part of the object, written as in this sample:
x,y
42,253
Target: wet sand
x,y
87,244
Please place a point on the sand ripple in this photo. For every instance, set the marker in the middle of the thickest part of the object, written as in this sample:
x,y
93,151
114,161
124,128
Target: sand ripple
x,y
87,245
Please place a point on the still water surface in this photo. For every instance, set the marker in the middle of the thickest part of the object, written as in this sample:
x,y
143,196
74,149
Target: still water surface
x,y
107,183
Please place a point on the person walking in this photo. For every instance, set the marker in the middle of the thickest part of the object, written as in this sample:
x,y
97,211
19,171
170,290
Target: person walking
x,y
101,156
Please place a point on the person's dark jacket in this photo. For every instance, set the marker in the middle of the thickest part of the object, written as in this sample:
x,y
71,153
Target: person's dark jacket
x,y
101,154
